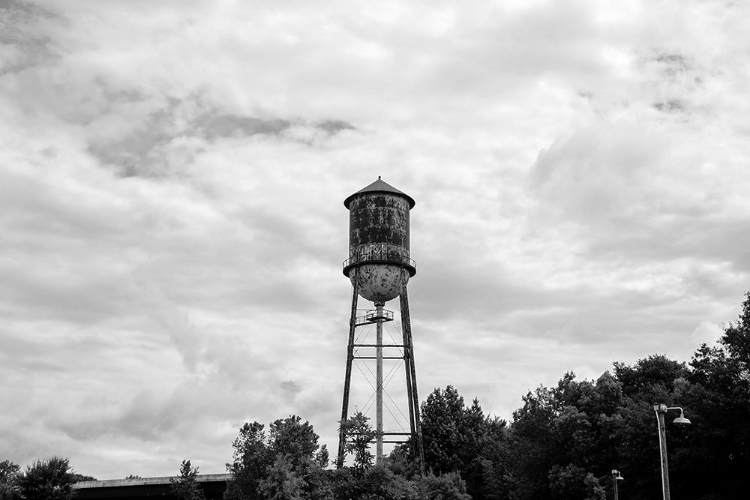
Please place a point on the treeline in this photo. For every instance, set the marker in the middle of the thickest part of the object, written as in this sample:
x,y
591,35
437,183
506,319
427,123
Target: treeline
x,y
49,479
563,443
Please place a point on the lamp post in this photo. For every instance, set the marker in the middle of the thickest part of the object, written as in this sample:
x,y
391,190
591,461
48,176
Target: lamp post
x,y
662,410
616,477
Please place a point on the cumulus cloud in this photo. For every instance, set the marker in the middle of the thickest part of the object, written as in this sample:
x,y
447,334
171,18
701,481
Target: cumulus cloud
x,y
171,187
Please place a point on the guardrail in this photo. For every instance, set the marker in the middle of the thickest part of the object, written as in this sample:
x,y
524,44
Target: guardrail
x,y
380,253
372,316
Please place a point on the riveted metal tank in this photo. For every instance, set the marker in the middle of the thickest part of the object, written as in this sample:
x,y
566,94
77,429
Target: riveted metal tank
x,y
379,260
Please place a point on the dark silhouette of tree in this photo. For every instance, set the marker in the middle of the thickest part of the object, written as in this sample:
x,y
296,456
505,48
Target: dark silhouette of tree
x,y
251,458
77,478
282,482
464,440
359,438
287,464
561,444
186,487
571,482
46,480
736,338
447,486
716,457
8,480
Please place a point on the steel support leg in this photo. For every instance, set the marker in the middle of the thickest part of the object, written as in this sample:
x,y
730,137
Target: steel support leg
x,y
411,379
347,376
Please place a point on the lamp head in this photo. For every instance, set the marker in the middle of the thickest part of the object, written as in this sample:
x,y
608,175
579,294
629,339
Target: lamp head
x,y
681,419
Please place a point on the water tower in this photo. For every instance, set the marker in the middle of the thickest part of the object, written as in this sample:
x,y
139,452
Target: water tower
x,y
379,267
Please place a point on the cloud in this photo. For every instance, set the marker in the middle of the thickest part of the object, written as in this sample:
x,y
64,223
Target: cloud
x,y
24,43
171,187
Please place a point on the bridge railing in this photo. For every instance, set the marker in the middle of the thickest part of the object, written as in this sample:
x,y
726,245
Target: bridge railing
x,y
380,253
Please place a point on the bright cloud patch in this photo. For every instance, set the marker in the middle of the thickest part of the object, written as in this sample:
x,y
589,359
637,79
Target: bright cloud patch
x,y
171,187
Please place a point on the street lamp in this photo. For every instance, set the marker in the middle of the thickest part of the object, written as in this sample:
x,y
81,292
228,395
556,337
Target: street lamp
x,y
616,477
662,410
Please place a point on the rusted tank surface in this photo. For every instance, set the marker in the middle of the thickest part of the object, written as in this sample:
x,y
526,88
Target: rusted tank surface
x,y
379,257
379,282
378,218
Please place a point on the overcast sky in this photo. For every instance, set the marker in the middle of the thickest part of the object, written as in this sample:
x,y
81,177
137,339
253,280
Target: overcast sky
x,y
172,177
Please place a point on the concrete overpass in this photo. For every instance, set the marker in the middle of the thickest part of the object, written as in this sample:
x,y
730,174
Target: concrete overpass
x,y
147,488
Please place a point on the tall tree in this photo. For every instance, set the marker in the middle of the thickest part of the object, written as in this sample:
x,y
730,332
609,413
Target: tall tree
x,y
251,458
46,480
359,439
282,482
288,463
462,439
8,480
736,338
532,436
718,452
186,486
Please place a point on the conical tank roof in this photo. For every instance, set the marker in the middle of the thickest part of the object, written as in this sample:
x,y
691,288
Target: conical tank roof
x,y
380,186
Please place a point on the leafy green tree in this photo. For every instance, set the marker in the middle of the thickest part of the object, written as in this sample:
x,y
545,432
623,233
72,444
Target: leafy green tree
x,y
282,482
651,377
565,440
401,461
8,478
362,480
288,463
736,338
77,478
46,480
374,483
186,487
298,441
572,482
532,432
561,444
448,486
462,439
445,430
719,409
359,438
716,456
251,458
594,490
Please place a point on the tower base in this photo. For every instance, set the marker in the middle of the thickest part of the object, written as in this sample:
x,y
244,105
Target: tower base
x,y
380,316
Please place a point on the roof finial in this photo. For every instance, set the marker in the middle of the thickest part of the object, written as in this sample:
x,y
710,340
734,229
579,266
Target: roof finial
x,y
378,177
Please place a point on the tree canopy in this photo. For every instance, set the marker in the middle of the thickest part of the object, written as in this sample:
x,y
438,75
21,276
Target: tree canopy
x,y
565,441
185,486
46,480
562,443
286,464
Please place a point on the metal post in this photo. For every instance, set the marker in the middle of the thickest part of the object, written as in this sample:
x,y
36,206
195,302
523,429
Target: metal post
x,y
661,410
379,386
615,480
616,477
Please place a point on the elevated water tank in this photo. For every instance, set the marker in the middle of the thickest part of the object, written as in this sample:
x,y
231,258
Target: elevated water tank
x,y
379,260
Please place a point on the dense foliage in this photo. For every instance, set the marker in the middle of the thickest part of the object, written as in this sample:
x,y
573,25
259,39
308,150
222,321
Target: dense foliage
x,y
185,486
286,464
49,479
563,443
8,476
